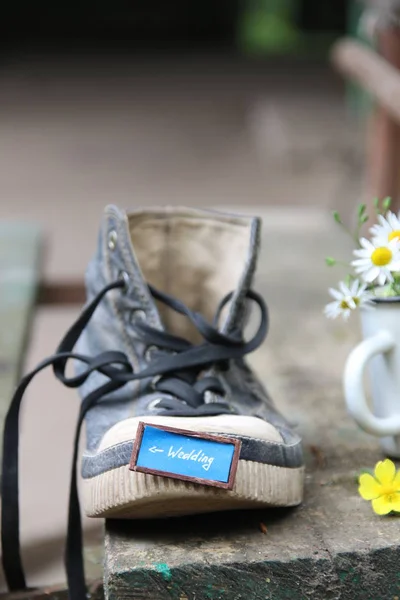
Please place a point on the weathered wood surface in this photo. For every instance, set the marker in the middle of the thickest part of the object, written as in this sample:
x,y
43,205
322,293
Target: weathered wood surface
x,y
62,292
331,547
378,73
371,71
95,592
20,251
19,275
384,141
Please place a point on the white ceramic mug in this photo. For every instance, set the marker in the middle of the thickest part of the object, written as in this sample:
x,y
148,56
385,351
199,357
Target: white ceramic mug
x,y
380,350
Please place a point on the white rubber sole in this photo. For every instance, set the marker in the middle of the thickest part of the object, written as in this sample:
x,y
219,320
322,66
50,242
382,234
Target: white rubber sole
x,y
124,494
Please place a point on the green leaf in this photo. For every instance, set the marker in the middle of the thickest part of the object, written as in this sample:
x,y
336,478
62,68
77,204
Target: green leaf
x,y
386,203
361,210
364,219
331,262
376,202
337,218
363,471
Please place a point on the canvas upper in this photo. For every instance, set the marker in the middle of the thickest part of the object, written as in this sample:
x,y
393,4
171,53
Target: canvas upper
x,y
197,256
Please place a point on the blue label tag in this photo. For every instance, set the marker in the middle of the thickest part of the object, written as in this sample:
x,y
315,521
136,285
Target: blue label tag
x,y
198,457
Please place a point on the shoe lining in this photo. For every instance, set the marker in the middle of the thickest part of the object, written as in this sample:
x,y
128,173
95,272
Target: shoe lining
x,y
196,259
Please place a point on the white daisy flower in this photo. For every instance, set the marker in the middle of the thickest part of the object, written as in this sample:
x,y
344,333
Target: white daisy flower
x,y
387,230
376,261
347,299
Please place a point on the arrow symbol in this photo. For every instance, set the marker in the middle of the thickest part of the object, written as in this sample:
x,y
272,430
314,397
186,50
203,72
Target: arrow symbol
x,y
154,449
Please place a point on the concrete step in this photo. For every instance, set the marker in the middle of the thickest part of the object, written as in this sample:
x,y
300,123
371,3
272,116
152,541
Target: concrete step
x,y
332,546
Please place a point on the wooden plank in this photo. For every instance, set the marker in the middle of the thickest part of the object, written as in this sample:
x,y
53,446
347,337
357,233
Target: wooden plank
x,y
330,547
384,141
371,71
95,592
20,252
61,292
19,269
378,74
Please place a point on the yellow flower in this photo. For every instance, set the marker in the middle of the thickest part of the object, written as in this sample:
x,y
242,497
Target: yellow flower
x,y
383,489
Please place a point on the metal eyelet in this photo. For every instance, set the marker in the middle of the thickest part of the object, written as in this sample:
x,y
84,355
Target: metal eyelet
x,y
150,352
112,239
124,275
154,381
154,403
138,315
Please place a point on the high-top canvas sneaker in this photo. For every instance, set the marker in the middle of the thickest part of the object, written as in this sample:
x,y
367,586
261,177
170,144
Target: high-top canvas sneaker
x,y
197,257
176,421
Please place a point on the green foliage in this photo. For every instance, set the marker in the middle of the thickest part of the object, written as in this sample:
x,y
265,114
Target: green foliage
x,y
381,207
361,210
337,218
362,217
386,202
363,472
267,33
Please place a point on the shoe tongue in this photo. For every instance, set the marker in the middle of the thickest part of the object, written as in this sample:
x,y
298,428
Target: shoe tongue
x,y
235,315
197,256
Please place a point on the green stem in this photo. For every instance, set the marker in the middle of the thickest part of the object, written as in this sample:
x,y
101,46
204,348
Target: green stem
x,y
356,237
343,264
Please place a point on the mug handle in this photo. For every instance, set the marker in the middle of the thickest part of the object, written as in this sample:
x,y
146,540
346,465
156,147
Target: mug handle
x,y
354,394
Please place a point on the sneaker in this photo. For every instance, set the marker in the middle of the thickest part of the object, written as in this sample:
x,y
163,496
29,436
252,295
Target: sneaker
x,y
176,421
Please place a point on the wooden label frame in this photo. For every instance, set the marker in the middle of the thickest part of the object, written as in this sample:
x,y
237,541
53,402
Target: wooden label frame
x,y
228,485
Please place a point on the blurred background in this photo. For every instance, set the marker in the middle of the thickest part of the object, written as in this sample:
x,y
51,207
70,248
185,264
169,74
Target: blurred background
x,y
203,103
215,103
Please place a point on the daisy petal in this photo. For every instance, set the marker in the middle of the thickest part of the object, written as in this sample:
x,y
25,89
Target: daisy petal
x,y
393,221
369,488
344,289
384,276
350,302
375,230
367,244
354,287
372,274
380,240
362,289
360,262
385,471
382,220
381,278
381,505
331,310
335,294
361,253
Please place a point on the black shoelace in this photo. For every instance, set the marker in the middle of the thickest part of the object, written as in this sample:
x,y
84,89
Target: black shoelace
x,y
175,368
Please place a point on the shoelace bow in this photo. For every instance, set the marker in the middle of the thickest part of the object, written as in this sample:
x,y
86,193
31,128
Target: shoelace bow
x,y
176,373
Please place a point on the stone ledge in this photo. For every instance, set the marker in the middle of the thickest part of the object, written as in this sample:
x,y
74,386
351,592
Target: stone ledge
x,y
332,546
